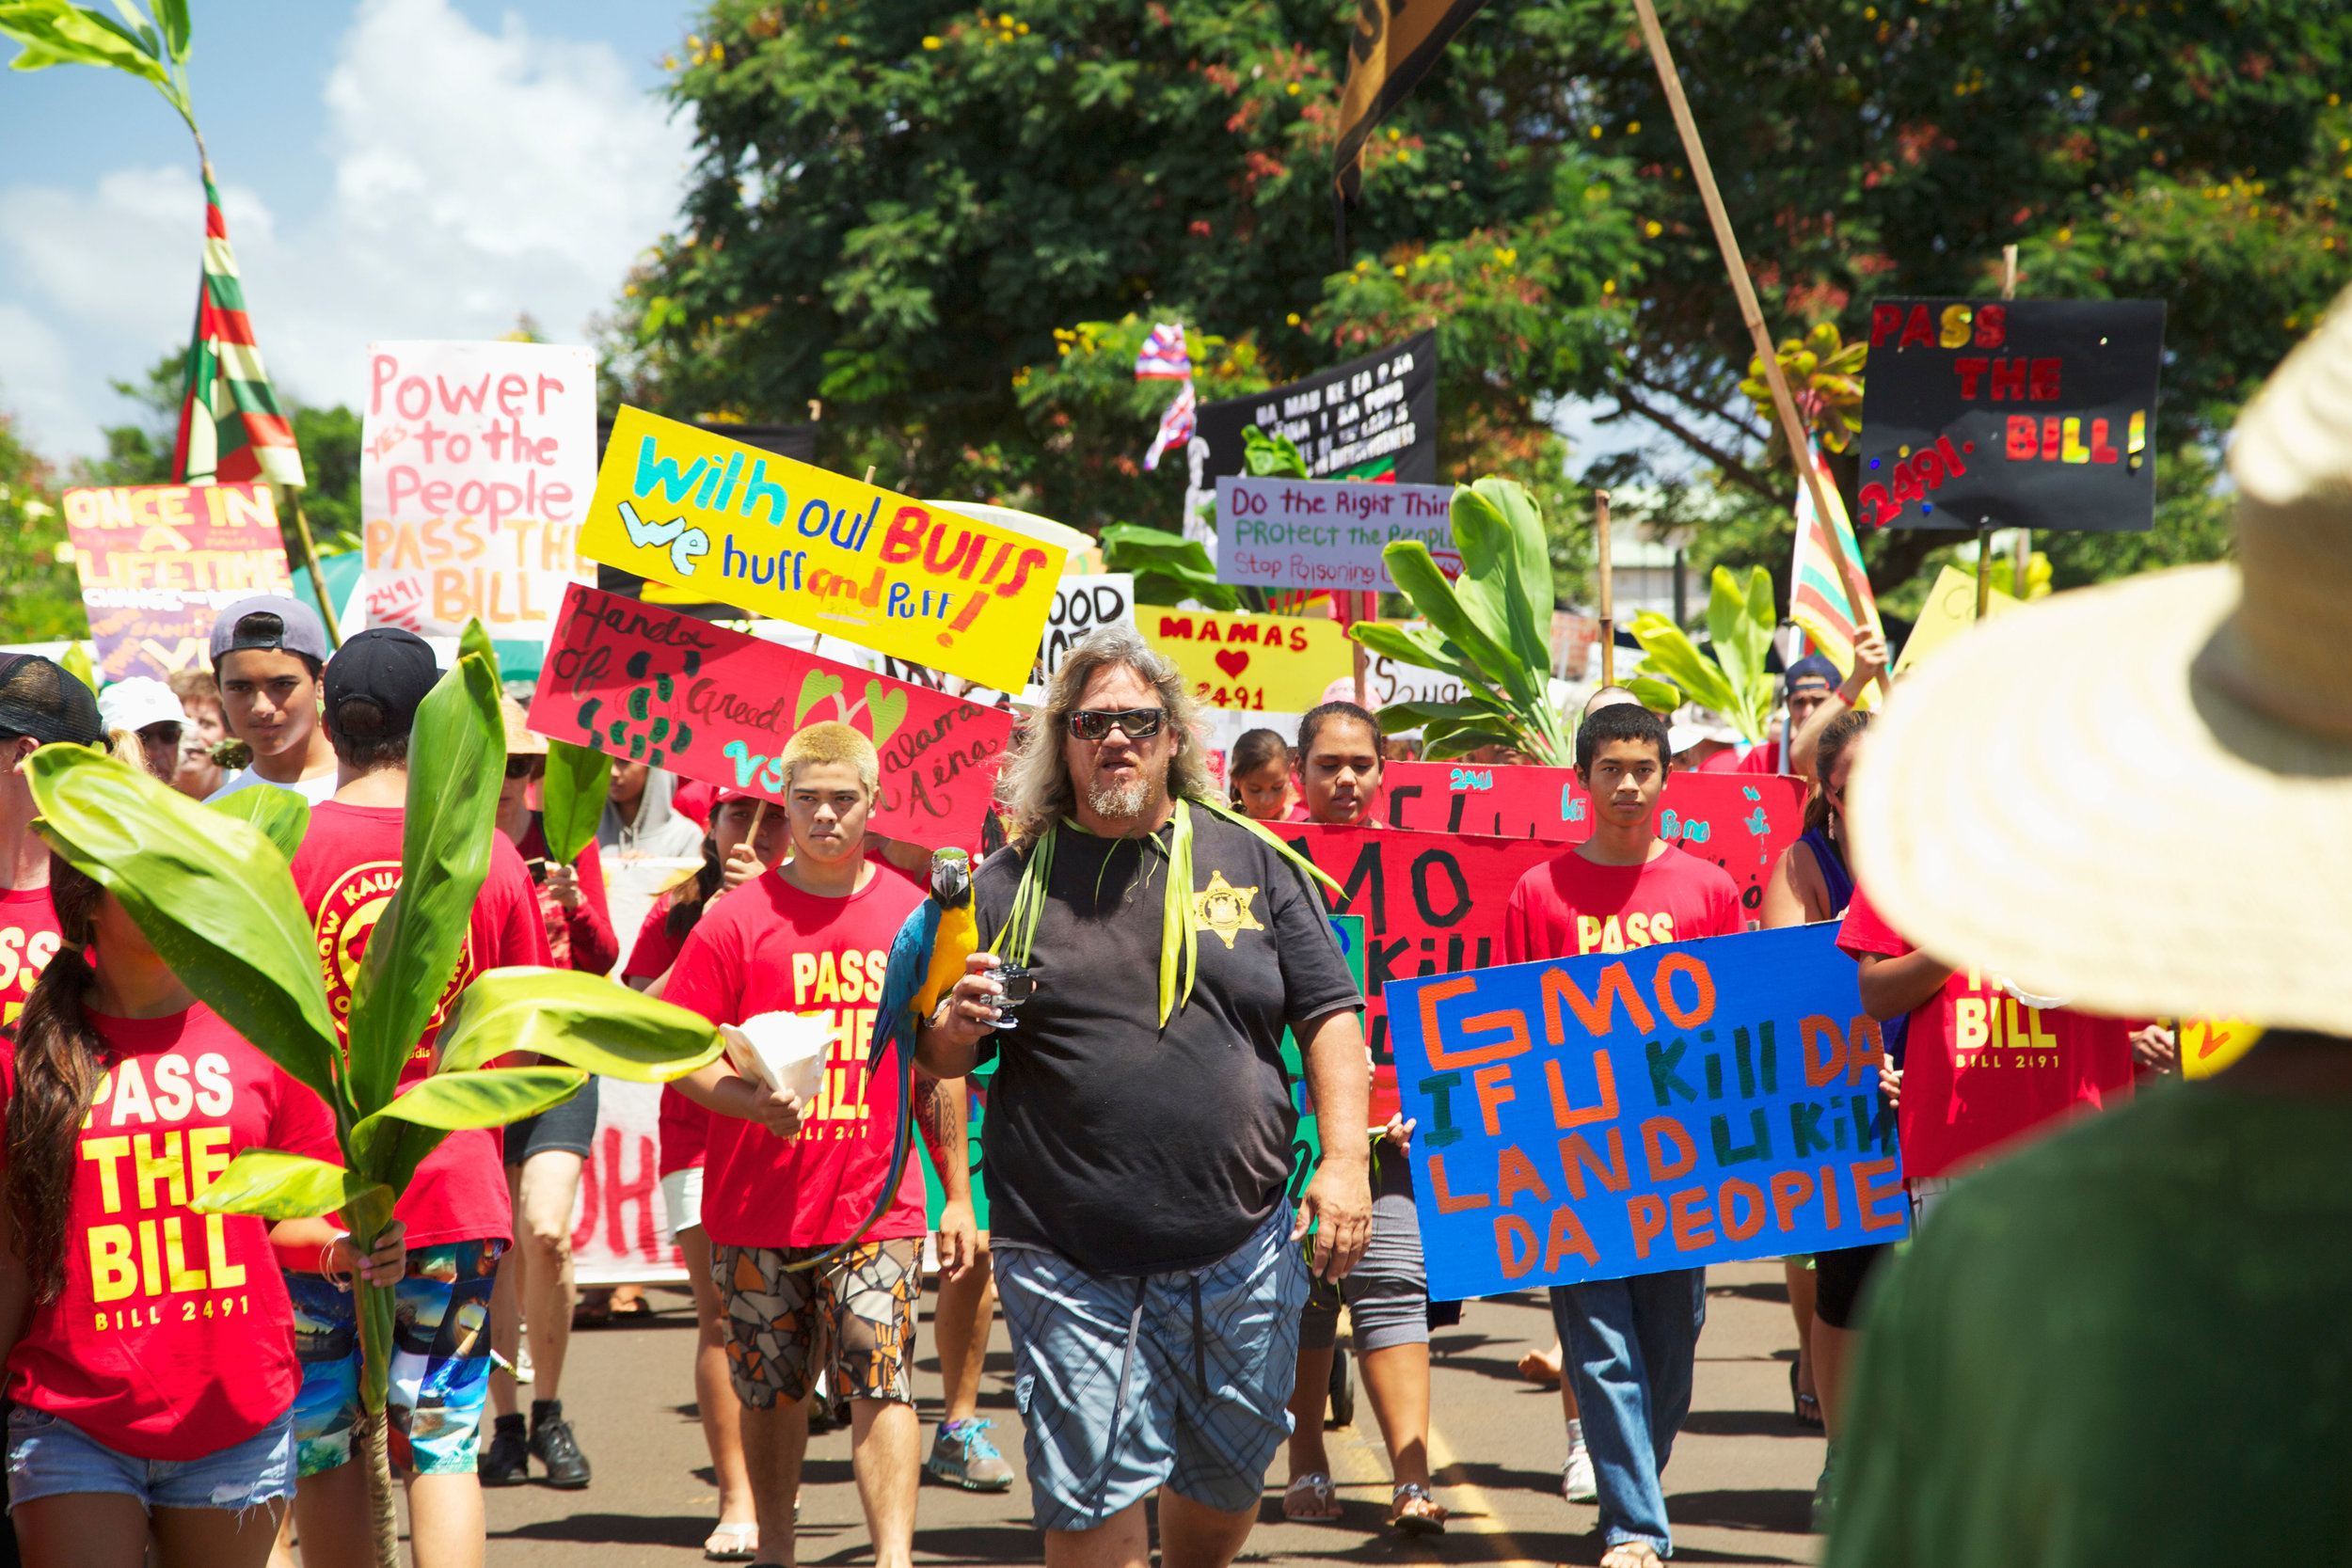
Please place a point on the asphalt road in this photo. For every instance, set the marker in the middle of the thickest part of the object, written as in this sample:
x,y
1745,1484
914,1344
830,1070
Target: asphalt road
x,y
1738,1489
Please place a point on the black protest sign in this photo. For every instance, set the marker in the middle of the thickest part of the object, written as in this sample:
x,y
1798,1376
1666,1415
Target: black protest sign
x,y
2024,413
1374,418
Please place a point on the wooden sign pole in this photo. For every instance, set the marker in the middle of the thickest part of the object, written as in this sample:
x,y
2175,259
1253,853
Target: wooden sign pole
x,y
1984,537
1608,616
1792,427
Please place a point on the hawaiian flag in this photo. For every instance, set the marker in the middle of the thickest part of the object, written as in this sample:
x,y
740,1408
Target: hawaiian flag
x,y
1175,427
231,428
1817,589
1164,356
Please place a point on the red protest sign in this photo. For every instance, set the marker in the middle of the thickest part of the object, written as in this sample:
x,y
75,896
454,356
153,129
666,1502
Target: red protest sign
x,y
655,685
1740,821
1432,904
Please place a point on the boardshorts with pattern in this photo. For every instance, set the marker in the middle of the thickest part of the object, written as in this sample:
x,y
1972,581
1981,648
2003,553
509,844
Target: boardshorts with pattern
x,y
861,1305
441,1372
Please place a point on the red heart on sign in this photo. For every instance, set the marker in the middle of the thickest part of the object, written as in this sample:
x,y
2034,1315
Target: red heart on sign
x,y
1233,661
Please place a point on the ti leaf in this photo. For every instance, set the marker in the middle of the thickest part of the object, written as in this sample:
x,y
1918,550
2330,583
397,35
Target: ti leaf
x,y
277,1186
279,815
578,778
1168,567
584,1019
388,1146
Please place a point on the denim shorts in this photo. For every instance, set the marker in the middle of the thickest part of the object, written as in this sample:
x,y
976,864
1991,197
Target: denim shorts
x,y
1127,1382
440,1373
50,1456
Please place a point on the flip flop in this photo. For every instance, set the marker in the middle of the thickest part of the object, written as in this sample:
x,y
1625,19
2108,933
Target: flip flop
x,y
1414,1512
745,1539
1317,1488
1806,1406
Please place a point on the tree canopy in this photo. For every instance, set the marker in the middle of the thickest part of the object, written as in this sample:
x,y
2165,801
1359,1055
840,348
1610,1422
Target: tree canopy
x,y
908,214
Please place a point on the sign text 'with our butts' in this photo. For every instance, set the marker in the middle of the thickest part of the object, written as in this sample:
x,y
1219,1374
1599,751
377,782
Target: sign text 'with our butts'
x,y
1679,1105
748,527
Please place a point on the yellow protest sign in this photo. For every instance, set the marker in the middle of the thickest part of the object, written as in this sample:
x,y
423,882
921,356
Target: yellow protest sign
x,y
910,578
1950,610
2209,1044
1278,662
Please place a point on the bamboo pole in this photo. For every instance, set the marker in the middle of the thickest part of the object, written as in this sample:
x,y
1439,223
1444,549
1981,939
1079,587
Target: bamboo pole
x,y
1608,615
1792,427
318,574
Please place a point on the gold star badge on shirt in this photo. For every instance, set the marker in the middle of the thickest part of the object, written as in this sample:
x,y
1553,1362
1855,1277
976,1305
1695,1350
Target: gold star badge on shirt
x,y
1224,909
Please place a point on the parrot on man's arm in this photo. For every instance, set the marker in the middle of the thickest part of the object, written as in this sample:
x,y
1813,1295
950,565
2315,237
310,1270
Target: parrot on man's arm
x,y
926,956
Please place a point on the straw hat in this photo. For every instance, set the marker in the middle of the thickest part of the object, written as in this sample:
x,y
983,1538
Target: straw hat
x,y
2139,797
520,740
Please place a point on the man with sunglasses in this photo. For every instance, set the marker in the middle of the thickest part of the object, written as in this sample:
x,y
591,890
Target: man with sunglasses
x,y
1148,1263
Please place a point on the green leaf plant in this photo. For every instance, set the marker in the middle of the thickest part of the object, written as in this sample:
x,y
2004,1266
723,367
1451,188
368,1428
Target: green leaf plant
x,y
1490,629
1734,682
56,32
572,799
211,890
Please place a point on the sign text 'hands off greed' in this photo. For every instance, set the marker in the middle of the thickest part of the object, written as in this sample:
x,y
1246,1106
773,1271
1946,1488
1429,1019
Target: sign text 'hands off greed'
x,y
787,539
1690,1103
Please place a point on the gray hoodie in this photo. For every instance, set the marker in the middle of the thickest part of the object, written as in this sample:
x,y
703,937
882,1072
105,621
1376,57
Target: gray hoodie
x,y
661,830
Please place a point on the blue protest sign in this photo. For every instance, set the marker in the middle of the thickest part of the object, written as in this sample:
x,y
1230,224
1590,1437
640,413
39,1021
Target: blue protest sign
x,y
1615,1115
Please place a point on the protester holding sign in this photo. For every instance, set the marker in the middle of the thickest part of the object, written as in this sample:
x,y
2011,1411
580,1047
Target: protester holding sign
x,y
789,1186
40,704
267,652
1629,1343
746,838
1138,1138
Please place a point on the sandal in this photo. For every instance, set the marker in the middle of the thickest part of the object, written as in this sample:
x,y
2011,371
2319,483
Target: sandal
x,y
1414,1512
1807,1406
1317,1490
736,1542
1630,1554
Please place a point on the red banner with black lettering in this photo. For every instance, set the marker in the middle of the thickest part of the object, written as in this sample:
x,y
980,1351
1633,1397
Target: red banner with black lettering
x,y
661,686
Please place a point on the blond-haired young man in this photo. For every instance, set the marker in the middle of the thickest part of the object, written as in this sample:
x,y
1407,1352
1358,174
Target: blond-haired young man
x,y
784,1181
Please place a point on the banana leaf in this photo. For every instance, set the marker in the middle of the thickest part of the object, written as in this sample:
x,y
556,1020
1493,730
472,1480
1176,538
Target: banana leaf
x,y
1417,577
1672,656
274,1185
1414,645
1420,714
584,1019
456,758
572,800
1506,569
1743,639
1168,567
210,895
388,1146
1655,694
279,815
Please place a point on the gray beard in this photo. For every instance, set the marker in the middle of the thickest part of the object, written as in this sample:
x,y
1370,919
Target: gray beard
x,y
1120,802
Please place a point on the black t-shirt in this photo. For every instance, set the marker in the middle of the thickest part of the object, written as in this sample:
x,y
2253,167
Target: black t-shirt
x,y
1129,1148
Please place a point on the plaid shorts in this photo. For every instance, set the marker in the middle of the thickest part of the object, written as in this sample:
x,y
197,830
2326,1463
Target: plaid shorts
x,y
862,1303
1127,1382
440,1373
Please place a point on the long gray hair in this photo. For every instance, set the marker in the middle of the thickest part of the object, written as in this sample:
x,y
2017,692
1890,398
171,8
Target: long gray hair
x,y
1034,788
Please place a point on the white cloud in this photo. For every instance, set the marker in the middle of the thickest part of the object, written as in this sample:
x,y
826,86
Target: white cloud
x,y
476,175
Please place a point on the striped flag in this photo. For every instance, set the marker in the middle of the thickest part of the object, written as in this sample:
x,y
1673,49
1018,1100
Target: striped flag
x,y
1817,589
231,428
1175,427
1164,356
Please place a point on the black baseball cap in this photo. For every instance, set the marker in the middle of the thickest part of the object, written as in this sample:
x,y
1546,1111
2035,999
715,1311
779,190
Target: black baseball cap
x,y
386,666
39,698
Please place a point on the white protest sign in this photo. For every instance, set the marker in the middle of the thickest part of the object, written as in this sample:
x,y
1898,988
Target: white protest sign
x,y
476,464
1323,534
1081,603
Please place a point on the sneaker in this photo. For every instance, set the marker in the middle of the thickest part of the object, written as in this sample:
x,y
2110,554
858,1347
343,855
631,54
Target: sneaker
x,y
1576,1478
507,1461
961,1455
553,1445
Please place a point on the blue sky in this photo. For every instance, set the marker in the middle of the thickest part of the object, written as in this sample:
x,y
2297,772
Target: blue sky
x,y
394,169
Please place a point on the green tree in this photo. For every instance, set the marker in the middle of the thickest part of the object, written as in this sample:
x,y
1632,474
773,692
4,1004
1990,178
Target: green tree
x,y
894,211
40,596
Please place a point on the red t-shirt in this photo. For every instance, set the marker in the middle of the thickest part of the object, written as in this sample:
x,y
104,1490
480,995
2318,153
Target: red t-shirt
x,y
769,948
684,1127
28,940
1980,1067
347,867
580,939
173,1338
1569,906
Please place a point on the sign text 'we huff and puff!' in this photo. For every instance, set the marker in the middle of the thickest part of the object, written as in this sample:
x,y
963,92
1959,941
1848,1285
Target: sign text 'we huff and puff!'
x,y
1691,1103
787,539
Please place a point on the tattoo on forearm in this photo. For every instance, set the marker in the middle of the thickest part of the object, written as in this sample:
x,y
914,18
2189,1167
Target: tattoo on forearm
x,y
939,1115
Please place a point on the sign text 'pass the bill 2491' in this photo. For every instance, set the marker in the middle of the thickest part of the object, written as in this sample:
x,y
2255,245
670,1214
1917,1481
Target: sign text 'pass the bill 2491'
x,y
787,539
1672,1106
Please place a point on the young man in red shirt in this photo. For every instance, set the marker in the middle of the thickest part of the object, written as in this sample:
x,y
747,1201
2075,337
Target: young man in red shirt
x,y
456,1207
1629,1343
785,1182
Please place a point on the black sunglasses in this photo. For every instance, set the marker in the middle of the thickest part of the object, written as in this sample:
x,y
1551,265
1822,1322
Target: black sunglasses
x,y
525,767
1093,723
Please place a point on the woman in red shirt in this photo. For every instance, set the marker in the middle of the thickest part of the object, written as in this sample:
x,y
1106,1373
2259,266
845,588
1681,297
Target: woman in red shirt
x,y
151,1349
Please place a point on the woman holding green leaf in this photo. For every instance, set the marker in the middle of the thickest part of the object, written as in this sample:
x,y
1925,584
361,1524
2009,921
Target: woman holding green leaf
x,y
151,1349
